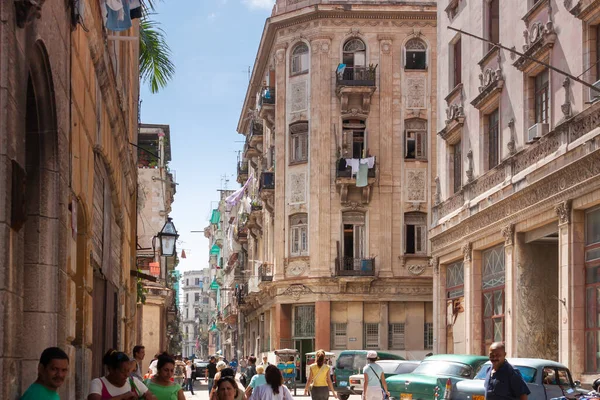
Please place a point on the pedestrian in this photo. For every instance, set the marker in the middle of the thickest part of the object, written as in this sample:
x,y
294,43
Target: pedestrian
x,y
229,372
189,377
226,390
274,389
179,371
210,372
52,371
161,384
265,361
319,380
374,386
256,381
502,381
139,352
152,367
251,370
220,367
118,382
243,365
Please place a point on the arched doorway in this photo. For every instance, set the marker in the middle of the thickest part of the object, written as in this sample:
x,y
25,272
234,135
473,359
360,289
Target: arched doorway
x,y
41,229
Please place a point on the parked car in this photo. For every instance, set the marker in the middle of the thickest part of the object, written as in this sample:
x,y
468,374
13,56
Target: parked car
x,y
390,368
351,362
200,369
546,379
434,372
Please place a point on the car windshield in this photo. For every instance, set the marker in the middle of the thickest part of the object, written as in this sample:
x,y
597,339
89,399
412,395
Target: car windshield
x,y
389,368
527,373
439,367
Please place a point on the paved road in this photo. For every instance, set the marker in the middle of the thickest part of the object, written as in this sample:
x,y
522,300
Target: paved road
x,y
201,393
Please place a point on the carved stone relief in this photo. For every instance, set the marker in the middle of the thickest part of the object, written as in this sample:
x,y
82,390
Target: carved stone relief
x,y
470,170
563,210
28,10
415,184
415,97
508,232
467,251
566,107
296,268
298,188
415,269
299,96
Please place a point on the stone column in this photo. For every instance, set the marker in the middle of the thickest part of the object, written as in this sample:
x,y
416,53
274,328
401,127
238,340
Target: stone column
x,y
283,324
280,152
472,266
385,156
571,287
323,325
439,307
384,323
510,299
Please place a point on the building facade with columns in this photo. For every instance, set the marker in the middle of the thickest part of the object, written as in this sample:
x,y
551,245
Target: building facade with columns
x,y
339,163
515,232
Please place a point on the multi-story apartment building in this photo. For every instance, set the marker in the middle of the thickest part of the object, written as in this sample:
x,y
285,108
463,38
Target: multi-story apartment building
x,y
340,160
68,112
194,309
515,232
156,191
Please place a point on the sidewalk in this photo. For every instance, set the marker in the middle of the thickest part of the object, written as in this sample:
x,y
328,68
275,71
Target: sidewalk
x,y
200,391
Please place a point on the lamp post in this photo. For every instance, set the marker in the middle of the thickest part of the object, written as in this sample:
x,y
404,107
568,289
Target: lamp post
x,y
168,236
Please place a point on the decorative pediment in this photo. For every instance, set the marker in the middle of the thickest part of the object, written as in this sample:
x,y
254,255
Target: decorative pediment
x,y
455,119
585,10
491,84
539,38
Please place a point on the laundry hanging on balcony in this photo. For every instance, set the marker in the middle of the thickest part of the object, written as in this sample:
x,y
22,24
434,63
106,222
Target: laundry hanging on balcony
x,y
362,177
116,14
233,199
135,9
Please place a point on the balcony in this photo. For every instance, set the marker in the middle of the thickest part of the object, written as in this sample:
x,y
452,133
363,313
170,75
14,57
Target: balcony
x,y
242,172
265,273
267,182
266,106
351,266
344,181
255,136
250,151
355,85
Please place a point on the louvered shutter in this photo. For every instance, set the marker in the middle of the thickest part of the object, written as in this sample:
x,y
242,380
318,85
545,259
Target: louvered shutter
x,y
347,142
420,145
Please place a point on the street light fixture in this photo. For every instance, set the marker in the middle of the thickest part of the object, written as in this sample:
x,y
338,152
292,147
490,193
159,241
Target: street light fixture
x,y
168,236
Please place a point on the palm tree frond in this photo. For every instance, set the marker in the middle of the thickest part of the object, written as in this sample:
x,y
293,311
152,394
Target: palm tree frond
x,y
156,67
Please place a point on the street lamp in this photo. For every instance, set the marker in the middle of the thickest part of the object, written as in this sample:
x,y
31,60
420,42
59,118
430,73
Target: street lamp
x,y
168,236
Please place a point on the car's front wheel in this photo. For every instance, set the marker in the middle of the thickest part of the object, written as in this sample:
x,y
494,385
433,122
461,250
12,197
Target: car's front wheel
x,y
344,396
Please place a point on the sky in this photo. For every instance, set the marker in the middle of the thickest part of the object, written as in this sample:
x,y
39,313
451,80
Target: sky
x,y
213,43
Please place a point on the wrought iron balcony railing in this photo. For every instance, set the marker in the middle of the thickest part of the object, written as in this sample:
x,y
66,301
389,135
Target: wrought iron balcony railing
x,y
352,266
357,76
267,181
265,273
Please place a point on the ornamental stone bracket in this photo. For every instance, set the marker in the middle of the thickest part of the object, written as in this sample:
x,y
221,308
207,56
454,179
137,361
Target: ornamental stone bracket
x,y
416,265
563,211
27,11
467,250
363,93
492,83
344,184
267,113
539,39
508,232
455,116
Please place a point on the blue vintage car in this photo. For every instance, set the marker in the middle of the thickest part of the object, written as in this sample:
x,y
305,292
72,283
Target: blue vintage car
x,y
546,379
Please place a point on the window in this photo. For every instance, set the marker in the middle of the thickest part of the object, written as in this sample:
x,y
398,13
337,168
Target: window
x,y
353,145
355,59
205,300
592,287
428,336
371,336
299,235
396,336
455,280
415,54
196,297
338,333
187,282
542,96
415,233
353,243
493,22
456,63
300,59
304,321
492,286
197,281
299,142
416,140
457,166
187,297
493,138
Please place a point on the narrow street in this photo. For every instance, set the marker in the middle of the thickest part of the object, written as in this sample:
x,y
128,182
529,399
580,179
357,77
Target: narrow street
x,y
201,393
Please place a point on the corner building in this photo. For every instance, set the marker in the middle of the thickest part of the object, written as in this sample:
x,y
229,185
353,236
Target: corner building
x,y
338,262
516,222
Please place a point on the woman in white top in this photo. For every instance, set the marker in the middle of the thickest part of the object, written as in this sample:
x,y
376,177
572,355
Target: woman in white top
x,y
118,385
374,386
274,388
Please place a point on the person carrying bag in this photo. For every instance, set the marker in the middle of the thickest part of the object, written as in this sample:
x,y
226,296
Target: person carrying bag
x,y
374,389
319,380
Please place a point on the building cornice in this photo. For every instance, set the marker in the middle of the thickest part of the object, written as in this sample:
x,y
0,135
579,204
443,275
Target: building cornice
x,y
422,16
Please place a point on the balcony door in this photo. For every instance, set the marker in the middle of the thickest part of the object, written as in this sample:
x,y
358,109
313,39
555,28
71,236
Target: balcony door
x,y
355,58
354,243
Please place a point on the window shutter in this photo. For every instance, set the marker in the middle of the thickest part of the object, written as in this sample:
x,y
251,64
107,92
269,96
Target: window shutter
x,y
304,240
304,146
347,144
420,145
404,56
418,239
295,64
294,239
304,62
295,148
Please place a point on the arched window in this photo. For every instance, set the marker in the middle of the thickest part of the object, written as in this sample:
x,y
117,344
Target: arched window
x,y
299,142
300,59
299,235
355,58
415,54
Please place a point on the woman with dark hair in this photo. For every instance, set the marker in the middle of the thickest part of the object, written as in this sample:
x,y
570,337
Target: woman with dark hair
x,y
230,373
251,370
226,389
274,388
161,385
117,384
320,379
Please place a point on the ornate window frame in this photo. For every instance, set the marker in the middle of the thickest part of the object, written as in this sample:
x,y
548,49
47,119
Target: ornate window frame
x,y
298,58
415,45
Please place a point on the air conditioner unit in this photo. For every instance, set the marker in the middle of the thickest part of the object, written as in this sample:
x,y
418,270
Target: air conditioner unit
x,y
595,93
262,317
537,131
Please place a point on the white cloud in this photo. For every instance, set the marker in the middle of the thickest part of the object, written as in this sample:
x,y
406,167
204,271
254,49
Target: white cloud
x,y
263,4
211,16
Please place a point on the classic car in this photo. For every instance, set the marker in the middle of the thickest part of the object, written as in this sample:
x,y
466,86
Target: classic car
x,y
390,368
433,375
546,379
